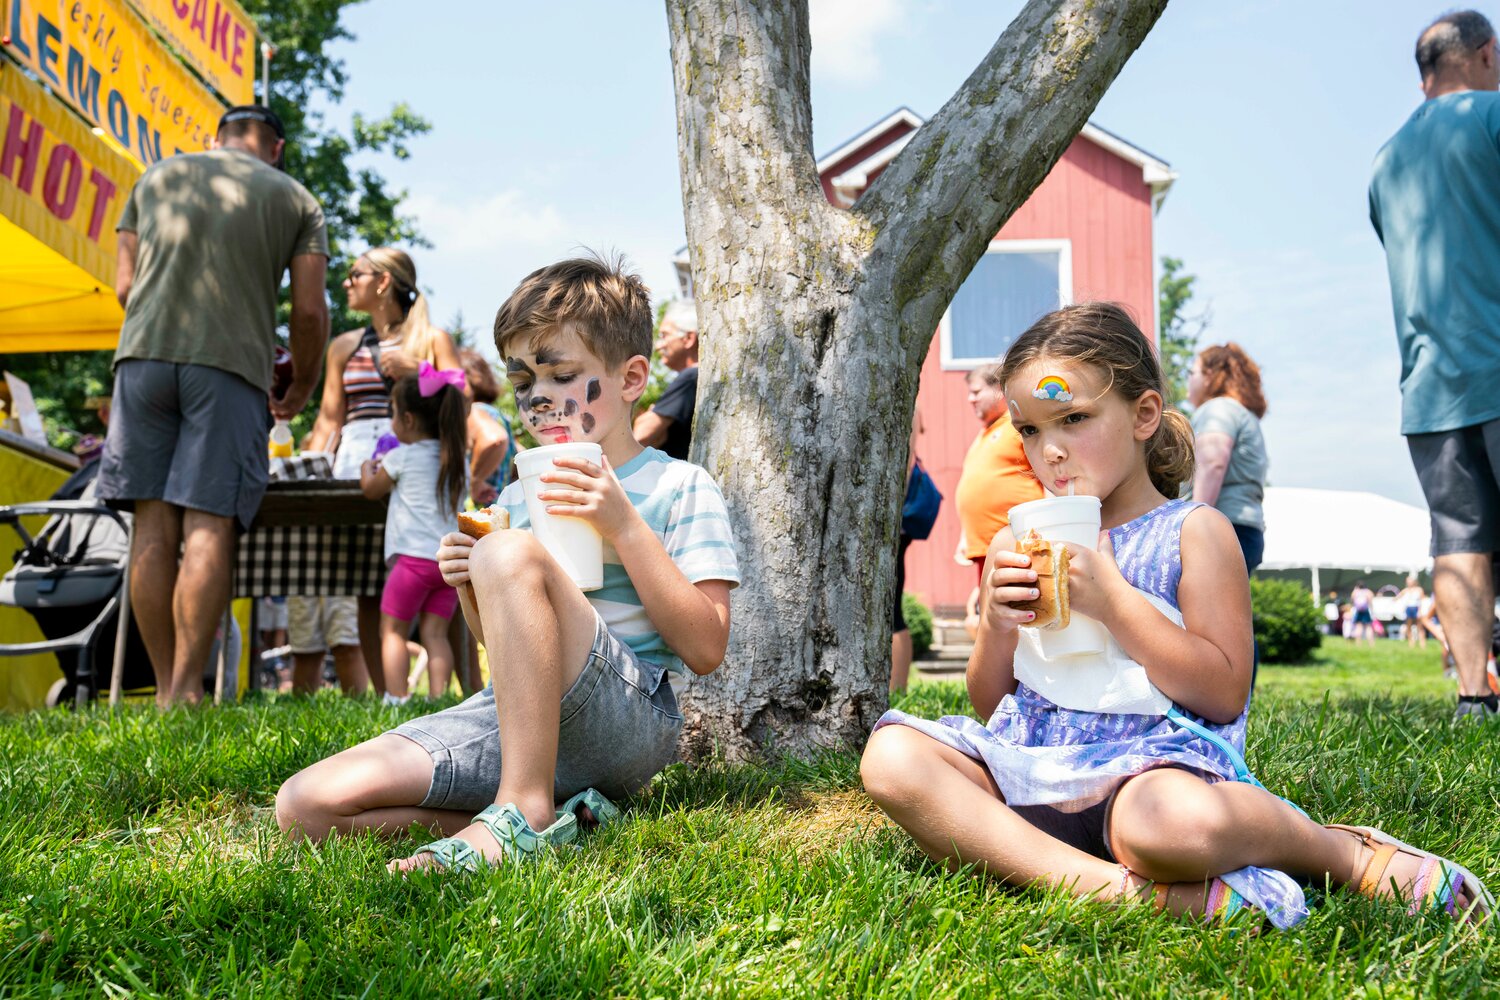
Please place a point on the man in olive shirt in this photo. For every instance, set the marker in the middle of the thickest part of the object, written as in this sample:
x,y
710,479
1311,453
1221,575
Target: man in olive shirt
x,y
203,243
669,424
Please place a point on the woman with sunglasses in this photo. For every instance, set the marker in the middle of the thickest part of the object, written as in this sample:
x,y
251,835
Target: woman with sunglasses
x,y
362,366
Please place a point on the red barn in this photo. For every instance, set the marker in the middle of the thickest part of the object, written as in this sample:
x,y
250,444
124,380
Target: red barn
x,y
1087,232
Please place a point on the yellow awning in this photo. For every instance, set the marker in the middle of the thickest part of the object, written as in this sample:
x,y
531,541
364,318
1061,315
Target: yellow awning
x,y
48,304
61,191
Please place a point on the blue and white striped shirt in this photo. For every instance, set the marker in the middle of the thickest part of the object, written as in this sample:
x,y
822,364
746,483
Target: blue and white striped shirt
x,y
683,506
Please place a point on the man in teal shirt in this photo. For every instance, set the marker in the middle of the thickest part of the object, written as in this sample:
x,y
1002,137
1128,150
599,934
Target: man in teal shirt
x,y
1435,203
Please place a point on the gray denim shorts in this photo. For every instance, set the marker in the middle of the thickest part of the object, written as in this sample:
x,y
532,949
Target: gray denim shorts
x,y
618,728
1460,475
191,435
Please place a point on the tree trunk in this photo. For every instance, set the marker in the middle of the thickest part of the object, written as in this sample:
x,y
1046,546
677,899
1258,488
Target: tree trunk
x,y
815,324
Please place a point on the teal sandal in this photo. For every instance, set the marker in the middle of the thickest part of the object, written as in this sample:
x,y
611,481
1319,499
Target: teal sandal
x,y
604,811
515,836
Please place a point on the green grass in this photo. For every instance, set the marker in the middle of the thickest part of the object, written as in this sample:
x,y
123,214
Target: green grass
x,y
138,855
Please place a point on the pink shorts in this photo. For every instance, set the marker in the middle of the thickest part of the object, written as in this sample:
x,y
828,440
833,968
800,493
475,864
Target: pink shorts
x,y
414,585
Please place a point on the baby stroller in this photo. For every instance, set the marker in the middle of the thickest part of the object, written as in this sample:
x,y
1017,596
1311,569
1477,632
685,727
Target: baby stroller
x,y
70,577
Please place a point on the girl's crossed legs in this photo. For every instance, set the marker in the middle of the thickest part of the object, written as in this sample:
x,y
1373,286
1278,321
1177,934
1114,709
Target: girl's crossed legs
x,y
1166,826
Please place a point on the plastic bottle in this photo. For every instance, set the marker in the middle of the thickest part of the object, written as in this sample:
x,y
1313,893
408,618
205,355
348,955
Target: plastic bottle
x,y
281,440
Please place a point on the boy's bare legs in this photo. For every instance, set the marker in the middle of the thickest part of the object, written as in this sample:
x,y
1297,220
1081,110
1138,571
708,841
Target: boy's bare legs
x,y
1171,826
372,786
540,629
433,631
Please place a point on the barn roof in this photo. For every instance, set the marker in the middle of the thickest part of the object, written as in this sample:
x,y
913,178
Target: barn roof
x,y
903,123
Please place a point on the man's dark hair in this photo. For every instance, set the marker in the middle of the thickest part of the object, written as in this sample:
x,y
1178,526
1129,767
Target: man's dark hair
x,y
1450,38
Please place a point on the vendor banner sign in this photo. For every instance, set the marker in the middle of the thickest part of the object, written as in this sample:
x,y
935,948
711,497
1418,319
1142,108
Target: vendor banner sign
x,y
216,37
58,181
100,57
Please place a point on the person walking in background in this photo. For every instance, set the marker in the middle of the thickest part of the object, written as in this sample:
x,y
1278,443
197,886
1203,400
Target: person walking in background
x,y
668,425
363,366
996,475
1362,622
1435,204
204,241
1410,600
1229,450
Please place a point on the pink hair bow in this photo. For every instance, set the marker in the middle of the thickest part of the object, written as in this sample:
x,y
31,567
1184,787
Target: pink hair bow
x,y
430,381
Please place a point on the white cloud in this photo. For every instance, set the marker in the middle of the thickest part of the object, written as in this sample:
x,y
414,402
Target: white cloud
x,y
844,36
459,225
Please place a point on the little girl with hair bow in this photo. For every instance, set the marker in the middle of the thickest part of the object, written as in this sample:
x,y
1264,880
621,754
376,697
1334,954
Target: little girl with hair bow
x,y
425,479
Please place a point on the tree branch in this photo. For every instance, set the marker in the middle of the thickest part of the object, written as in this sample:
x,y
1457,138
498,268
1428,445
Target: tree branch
x,y
943,199
744,107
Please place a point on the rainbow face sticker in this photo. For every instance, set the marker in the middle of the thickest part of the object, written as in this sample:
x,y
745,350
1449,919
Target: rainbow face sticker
x,y
1053,387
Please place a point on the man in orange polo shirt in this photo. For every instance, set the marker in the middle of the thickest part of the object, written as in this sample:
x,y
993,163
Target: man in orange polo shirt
x,y
996,475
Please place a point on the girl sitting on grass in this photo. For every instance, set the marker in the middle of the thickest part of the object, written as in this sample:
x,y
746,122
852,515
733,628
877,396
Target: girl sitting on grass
x,y
425,478
1125,807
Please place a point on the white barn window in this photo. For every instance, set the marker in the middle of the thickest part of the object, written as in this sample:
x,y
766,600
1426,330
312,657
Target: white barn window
x,y
1014,284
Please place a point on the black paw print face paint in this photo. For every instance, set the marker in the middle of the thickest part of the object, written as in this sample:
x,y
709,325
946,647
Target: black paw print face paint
x,y
557,390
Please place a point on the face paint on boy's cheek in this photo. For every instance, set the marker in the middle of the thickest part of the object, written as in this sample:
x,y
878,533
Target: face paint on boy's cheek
x,y
592,393
588,423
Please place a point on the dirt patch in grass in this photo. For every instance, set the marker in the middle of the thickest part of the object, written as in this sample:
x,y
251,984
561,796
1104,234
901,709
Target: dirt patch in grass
x,y
819,823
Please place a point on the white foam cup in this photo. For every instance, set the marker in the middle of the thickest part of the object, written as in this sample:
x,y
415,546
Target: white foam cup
x,y
574,543
1073,521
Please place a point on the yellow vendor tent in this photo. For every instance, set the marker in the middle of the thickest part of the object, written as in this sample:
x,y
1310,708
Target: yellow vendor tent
x,y
61,191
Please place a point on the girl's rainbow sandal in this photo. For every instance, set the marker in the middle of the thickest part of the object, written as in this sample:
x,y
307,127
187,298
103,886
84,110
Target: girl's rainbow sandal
x,y
1438,881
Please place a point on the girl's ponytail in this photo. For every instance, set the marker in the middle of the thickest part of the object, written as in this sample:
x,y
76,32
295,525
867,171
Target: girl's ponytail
x,y
1169,453
453,437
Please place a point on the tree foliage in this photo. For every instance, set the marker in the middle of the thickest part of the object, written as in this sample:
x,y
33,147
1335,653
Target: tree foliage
x,y
361,208
1180,329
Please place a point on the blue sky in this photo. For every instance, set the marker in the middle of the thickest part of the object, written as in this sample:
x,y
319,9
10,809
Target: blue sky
x,y
553,128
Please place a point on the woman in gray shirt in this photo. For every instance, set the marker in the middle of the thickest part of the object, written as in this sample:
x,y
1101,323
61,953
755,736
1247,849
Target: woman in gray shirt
x,y
1224,389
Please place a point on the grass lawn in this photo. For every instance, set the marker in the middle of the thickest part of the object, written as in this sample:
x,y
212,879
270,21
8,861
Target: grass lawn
x,y
139,855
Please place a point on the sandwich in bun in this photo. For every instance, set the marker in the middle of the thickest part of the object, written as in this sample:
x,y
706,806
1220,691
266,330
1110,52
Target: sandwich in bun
x,y
1050,563
478,523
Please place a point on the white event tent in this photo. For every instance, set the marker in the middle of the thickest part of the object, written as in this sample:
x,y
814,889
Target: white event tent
x,y
1318,530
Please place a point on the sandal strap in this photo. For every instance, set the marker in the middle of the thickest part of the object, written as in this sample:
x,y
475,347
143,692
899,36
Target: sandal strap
x,y
515,836
1380,860
452,854
603,810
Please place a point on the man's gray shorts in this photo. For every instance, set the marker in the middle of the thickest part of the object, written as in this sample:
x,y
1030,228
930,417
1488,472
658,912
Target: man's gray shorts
x,y
191,435
1458,470
619,727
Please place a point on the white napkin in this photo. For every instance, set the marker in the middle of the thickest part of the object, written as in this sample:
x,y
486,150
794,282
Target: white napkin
x,y
1102,682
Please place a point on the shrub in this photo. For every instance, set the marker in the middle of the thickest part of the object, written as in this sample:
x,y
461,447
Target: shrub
x,y
919,621
1286,620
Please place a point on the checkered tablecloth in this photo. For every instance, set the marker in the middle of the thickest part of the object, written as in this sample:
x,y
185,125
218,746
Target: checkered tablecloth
x,y
311,560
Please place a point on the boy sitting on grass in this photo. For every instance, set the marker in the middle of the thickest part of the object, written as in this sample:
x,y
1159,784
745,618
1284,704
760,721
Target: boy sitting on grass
x,y
584,704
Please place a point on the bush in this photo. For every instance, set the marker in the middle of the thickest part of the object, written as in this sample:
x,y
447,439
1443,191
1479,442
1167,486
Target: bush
x,y
1286,620
919,621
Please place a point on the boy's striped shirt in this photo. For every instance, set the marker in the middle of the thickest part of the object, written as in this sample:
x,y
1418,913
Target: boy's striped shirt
x,y
684,508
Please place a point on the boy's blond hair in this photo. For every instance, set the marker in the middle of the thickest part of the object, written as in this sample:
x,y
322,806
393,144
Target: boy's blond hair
x,y
609,307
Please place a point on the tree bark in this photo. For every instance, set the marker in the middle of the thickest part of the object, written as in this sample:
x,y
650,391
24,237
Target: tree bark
x,y
816,321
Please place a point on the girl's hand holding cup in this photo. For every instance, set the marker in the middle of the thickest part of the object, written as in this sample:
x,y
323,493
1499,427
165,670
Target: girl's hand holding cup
x,y
1011,581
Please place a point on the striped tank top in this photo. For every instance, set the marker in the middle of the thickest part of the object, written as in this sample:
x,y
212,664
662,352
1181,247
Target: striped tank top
x,y
365,394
